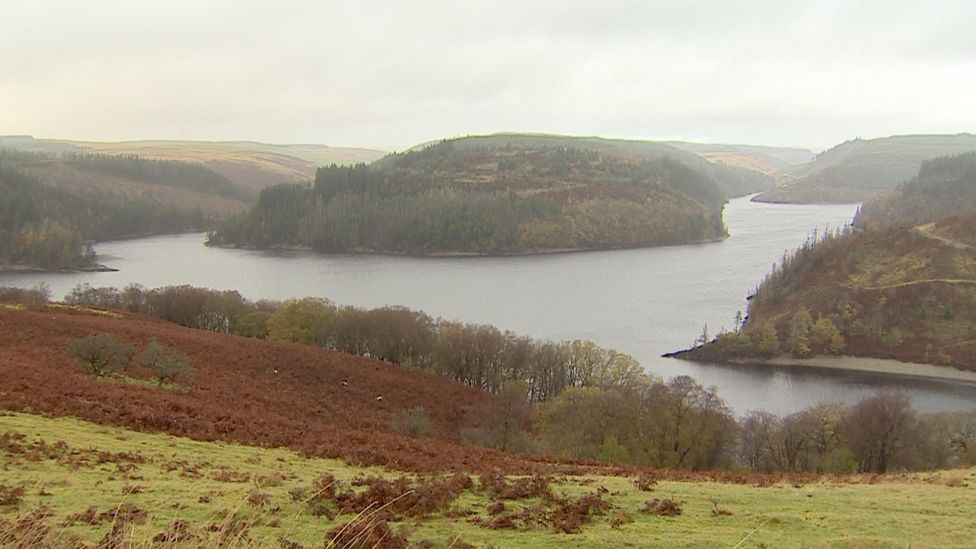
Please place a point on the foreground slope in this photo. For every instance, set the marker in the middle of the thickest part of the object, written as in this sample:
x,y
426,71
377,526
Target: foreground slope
x,y
97,484
250,391
860,169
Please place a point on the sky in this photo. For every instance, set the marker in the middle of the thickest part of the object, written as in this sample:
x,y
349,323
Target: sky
x,y
390,75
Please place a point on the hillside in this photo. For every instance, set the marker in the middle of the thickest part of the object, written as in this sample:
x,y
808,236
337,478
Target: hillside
x,y
735,178
901,286
67,482
468,197
254,392
54,204
859,170
250,165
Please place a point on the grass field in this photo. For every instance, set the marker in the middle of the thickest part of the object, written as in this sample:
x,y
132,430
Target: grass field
x,y
92,479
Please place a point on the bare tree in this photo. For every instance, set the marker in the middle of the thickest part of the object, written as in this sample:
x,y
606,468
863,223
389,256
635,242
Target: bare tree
x,y
878,428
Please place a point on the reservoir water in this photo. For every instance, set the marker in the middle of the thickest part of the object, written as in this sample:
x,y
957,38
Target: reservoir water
x,y
644,302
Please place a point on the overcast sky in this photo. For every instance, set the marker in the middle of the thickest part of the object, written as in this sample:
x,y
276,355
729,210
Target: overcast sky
x,y
392,74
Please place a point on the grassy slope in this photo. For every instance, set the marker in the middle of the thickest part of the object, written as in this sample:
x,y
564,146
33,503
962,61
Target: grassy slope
x,y
931,510
857,170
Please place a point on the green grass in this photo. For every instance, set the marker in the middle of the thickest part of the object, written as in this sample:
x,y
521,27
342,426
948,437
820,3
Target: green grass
x,y
929,510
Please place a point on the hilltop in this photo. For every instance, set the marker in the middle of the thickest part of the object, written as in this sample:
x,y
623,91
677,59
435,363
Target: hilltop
x,y
902,285
250,165
737,169
862,169
501,194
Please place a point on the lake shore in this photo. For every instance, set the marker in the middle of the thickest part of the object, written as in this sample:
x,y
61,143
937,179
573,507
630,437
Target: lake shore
x,y
877,366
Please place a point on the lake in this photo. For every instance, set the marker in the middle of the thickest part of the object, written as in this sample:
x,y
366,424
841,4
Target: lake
x,y
644,302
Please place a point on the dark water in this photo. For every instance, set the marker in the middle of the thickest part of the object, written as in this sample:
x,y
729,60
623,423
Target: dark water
x,y
644,302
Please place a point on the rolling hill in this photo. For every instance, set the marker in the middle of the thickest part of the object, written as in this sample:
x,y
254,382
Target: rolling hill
x,y
860,169
249,164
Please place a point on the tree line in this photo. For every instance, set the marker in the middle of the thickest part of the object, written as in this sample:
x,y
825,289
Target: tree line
x,y
485,200
574,398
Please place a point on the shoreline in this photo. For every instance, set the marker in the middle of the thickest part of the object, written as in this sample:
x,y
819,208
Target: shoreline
x,y
40,270
885,366
449,255
881,366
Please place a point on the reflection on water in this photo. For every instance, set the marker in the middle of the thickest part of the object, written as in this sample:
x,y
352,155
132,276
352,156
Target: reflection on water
x,y
644,302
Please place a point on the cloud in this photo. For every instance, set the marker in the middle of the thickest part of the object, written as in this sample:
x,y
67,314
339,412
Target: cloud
x,y
391,74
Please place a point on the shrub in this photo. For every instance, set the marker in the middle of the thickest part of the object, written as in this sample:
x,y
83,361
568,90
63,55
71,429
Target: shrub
x,y
101,354
412,422
29,296
168,365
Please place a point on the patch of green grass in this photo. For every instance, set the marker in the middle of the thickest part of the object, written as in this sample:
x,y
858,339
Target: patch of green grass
x,y
181,479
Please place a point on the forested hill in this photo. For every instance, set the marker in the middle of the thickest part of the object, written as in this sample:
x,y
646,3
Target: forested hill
x,y
52,204
944,187
456,197
859,170
901,284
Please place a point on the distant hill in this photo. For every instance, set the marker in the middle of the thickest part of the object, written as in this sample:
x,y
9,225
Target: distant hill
x,y
251,165
859,170
734,178
902,285
768,160
492,195
52,204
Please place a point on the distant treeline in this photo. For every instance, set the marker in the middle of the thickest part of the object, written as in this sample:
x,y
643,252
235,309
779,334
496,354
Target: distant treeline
x,y
49,227
485,200
575,398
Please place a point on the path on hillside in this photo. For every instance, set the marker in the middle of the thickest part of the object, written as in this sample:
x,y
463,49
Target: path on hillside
x,y
928,232
923,281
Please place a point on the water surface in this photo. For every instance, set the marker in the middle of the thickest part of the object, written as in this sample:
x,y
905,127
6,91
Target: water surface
x,y
644,302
